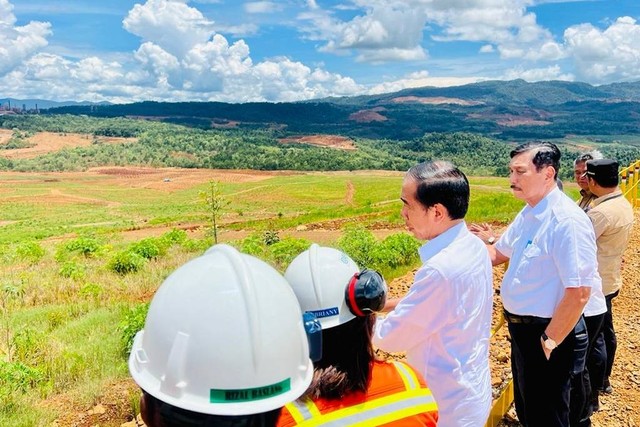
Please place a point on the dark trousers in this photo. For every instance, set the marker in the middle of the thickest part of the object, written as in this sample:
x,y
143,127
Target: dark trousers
x,y
609,336
585,384
541,386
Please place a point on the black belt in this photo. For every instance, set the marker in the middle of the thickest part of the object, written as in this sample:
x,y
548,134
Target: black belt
x,y
525,320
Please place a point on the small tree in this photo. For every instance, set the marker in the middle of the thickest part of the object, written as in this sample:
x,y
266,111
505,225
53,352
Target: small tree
x,y
215,202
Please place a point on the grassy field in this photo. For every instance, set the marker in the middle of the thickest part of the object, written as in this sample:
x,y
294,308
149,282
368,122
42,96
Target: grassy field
x,y
66,308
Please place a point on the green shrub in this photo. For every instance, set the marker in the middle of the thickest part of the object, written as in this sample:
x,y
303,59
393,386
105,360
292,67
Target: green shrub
x,y
92,290
85,246
396,250
174,236
126,262
147,248
27,345
358,243
197,245
252,245
16,376
287,249
30,251
270,237
72,270
132,322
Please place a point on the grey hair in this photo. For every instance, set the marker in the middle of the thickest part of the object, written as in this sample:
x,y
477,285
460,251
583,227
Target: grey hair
x,y
589,155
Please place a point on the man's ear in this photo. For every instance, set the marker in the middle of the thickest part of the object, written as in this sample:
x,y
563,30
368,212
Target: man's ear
x,y
440,212
551,172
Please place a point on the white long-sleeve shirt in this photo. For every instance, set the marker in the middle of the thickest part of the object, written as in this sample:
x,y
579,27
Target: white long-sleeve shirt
x,y
444,325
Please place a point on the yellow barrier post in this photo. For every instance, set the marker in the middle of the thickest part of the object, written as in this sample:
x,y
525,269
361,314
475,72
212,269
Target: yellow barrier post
x,y
629,179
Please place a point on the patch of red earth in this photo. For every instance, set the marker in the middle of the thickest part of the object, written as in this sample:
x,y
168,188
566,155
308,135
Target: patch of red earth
x,y
47,142
366,116
224,124
521,121
510,120
329,141
436,100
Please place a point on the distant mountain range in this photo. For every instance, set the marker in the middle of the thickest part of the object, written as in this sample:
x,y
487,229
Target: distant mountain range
x,y
502,109
40,104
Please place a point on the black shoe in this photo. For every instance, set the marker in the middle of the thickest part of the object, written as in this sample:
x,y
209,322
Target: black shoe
x,y
607,389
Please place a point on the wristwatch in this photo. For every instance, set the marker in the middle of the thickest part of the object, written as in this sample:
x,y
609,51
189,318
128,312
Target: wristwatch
x,y
549,344
491,240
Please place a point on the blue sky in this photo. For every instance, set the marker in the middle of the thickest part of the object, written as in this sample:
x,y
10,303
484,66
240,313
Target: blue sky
x,y
240,51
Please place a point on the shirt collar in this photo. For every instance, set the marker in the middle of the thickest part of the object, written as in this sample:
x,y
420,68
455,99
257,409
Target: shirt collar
x,y
607,196
585,193
538,211
435,245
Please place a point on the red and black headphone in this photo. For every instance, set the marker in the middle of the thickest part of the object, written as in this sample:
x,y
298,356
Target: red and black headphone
x,y
366,293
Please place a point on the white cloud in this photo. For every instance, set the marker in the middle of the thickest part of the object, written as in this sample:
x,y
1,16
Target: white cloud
x,y
487,48
262,7
393,30
553,72
387,31
170,24
421,79
180,58
18,43
608,55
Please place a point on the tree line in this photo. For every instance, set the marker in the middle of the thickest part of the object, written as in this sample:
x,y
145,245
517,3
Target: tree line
x,y
159,144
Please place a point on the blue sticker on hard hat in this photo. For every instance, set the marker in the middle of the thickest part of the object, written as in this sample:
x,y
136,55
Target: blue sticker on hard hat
x,y
344,258
325,312
313,328
249,394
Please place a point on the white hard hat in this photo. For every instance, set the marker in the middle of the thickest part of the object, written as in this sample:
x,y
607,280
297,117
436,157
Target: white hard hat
x,y
224,335
326,282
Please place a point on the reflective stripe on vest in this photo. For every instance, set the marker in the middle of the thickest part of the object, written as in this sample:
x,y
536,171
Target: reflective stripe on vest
x,y
408,376
415,400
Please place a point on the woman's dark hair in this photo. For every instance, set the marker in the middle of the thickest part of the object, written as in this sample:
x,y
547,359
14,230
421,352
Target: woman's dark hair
x,y
347,360
547,154
441,182
156,413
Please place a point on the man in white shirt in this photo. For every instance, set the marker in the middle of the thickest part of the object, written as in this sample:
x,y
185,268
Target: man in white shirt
x,y
552,252
444,321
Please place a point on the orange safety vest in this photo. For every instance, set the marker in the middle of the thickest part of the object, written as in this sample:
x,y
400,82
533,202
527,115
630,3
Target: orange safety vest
x,y
397,397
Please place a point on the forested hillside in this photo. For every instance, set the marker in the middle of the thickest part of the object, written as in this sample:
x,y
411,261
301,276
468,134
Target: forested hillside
x,y
512,110
160,144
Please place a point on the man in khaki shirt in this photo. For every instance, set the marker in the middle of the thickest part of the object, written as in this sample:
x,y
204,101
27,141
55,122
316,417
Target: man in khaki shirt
x,y
612,218
579,169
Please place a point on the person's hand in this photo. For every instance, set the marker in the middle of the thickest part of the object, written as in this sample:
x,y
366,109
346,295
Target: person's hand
x,y
483,231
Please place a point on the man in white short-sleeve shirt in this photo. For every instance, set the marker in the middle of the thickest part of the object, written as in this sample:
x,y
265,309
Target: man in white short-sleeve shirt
x,y
444,321
552,267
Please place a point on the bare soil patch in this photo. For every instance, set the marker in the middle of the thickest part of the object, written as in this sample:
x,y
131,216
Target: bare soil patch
x,y
171,179
47,142
436,100
330,141
510,120
367,116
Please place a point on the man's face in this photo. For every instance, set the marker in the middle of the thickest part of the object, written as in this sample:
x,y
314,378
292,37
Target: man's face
x,y
579,170
418,219
526,182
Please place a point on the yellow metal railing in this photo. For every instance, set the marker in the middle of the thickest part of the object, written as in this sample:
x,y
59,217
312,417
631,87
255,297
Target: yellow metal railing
x,y
502,404
629,178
